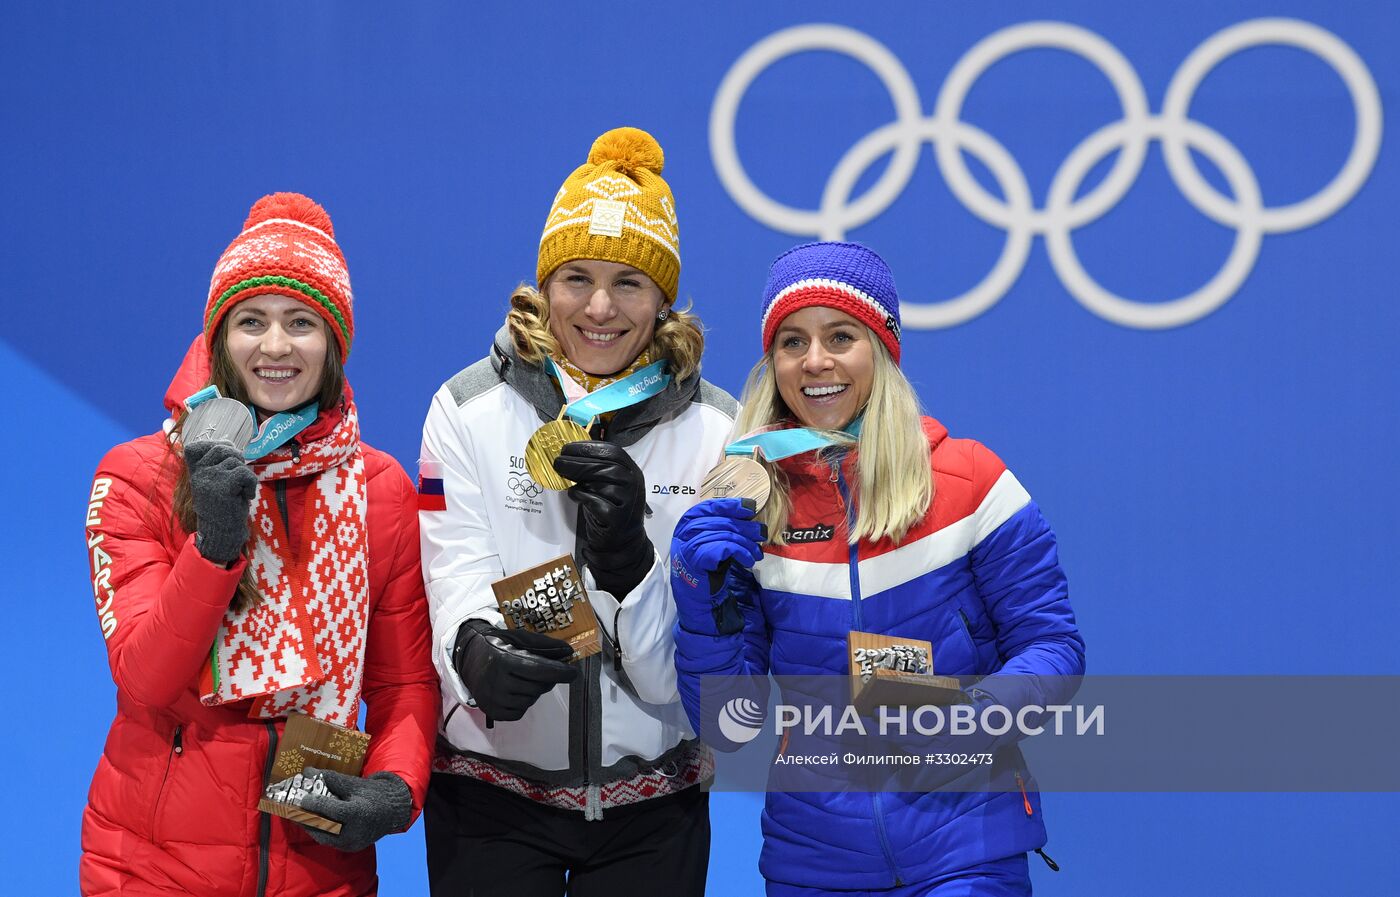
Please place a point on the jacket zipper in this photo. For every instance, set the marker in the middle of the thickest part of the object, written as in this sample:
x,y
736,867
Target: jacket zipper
x,y
279,489
615,640
967,630
853,564
589,670
1025,798
1026,804
177,747
593,796
265,822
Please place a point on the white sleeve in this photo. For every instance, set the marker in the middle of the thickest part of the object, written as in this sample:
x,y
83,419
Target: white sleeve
x,y
460,559
641,628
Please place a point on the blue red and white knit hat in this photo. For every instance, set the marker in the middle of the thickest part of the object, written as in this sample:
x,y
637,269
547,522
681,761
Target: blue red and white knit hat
x,y
844,276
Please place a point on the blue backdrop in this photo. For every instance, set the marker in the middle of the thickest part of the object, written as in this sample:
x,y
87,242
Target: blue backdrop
x,y
1187,370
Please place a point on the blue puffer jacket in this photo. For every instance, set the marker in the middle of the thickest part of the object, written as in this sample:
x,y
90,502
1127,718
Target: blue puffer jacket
x,y
980,578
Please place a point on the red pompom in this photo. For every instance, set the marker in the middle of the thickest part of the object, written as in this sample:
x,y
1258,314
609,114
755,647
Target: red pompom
x,y
293,206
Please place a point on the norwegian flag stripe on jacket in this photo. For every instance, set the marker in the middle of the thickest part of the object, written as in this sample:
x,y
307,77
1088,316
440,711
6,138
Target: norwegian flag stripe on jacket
x,y
979,577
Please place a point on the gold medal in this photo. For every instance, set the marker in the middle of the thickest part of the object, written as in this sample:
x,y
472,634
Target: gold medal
x,y
737,476
545,445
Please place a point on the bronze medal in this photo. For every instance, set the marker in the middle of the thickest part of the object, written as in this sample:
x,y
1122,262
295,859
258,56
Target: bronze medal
x,y
737,476
545,445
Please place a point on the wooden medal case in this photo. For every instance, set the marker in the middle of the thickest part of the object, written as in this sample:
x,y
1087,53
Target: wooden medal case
x,y
310,742
549,598
873,685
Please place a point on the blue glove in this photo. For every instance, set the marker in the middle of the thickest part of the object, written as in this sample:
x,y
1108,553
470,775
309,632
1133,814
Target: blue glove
x,y
709,538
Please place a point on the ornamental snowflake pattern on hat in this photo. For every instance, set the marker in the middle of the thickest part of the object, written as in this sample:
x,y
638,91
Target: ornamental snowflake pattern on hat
x,y
616,207
287,247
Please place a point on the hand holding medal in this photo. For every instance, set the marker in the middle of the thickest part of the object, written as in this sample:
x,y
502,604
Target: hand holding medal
x,y
742,475
219,438
214,418
544,446
576,418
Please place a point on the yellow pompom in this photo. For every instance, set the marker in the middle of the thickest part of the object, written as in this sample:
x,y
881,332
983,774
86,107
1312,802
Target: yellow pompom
x,y
630,148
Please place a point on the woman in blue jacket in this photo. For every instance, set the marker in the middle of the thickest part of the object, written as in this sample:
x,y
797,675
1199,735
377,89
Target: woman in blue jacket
x,y
895,529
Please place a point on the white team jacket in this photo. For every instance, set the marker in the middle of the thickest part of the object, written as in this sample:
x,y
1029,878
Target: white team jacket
x,y
498,522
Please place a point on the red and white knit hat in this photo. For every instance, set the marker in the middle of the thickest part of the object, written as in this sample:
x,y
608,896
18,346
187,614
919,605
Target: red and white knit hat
x,y
287,247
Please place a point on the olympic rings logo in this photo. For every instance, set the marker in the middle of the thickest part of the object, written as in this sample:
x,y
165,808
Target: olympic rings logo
x,y
523,486
1063,213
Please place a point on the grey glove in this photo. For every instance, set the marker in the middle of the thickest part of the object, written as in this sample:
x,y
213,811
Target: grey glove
x,y
367,809
222,486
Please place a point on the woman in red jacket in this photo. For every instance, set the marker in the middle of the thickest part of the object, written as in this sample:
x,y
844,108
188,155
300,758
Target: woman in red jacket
x,y
232,592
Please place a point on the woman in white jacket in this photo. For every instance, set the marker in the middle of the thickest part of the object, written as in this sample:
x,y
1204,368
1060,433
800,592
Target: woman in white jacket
x,y
584,772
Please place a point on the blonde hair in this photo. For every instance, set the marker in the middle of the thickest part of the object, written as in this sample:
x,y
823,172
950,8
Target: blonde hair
x,y
894,481
680,339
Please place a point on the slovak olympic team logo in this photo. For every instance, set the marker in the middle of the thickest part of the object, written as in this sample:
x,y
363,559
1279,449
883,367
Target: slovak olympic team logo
x,y
523,486
1063,213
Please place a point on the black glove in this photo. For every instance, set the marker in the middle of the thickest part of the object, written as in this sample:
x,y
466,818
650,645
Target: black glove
x,y
367,809
507,670
222,486
611,491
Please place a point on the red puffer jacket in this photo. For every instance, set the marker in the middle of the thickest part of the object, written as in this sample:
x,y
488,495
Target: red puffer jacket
x,y
173,804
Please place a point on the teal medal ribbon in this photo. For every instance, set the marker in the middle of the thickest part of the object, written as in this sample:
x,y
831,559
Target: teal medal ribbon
x,y
279,429
775,445
633,389
274,433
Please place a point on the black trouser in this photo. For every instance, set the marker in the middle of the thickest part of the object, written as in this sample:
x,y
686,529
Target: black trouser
x,y
485,841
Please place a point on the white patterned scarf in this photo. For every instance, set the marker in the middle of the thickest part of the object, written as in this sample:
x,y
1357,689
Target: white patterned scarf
x,y
301,647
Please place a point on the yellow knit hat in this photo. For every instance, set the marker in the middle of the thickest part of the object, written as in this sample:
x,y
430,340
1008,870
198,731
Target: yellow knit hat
x,y
617,208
